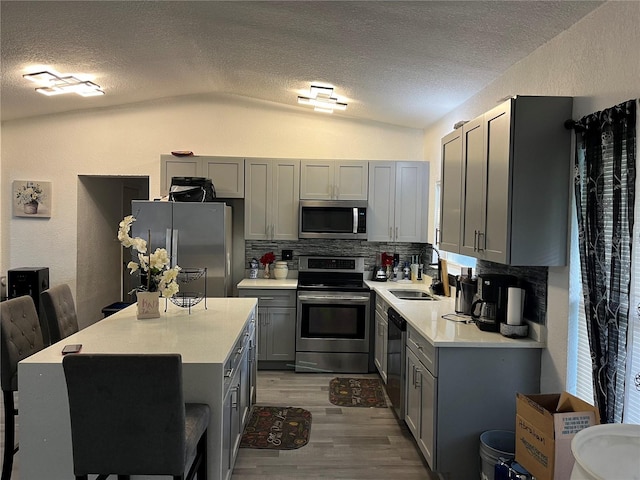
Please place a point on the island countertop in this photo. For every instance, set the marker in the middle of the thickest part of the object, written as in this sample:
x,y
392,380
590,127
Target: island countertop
x,y
204,335
427,318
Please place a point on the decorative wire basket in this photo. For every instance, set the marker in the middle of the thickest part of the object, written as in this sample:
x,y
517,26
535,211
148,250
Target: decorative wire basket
x,y
190,299
187,299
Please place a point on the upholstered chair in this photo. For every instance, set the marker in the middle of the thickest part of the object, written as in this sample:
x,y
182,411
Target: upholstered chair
x,y
128,417
21,337
60,311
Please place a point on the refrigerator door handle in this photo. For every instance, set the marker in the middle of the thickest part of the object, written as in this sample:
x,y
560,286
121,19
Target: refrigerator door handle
x,y
174,247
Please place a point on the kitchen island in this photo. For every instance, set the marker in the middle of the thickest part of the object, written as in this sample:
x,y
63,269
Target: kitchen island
x,y
208,340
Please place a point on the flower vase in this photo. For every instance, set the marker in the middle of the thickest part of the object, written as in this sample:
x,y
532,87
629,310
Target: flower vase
x,y
31,208
267,274
148,304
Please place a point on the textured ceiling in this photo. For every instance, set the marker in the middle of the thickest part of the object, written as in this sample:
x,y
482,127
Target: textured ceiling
x,y
404,63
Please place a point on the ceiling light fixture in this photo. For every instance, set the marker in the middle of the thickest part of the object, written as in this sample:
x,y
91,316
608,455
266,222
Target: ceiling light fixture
x,y
322,99
52,84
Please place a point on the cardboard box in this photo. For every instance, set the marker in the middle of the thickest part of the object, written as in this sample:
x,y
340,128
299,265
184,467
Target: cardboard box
x,y
545,426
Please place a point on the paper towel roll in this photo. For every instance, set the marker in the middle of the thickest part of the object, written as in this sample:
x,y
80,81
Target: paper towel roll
x,y
515,305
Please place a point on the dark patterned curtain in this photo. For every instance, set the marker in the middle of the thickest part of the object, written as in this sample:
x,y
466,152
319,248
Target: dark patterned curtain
x,y
605,175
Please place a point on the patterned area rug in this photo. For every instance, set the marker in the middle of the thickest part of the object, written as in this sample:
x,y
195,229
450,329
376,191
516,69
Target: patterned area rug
x,y
357,392
279,428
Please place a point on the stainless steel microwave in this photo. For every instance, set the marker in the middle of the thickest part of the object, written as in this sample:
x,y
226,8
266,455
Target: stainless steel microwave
x,y
339,219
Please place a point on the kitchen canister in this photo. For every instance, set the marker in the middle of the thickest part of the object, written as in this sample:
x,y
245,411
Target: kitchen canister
x,y
281,270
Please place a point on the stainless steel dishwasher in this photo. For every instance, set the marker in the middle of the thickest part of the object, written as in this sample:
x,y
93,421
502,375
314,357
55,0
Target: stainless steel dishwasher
x,y
396,345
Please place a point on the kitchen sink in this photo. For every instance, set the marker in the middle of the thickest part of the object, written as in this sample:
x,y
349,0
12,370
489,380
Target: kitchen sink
x,y
412,295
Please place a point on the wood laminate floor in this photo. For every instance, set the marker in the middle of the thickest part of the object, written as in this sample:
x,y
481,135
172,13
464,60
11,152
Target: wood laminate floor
x,y
345,442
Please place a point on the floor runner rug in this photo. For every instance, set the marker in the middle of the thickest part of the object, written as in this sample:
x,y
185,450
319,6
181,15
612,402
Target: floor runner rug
x,y
357,392
278,428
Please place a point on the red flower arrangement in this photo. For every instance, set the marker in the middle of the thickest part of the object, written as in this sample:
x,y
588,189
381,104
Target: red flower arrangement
x,y
267,258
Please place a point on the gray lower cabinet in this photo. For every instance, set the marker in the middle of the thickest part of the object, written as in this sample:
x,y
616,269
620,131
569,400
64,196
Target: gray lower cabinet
x,y
239,396
276,326
420,409
381,333
453,394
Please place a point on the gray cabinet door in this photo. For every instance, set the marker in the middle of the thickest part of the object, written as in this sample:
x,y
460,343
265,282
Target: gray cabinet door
x,y
427,427
412,412
448,234
474,161
281,334
494,240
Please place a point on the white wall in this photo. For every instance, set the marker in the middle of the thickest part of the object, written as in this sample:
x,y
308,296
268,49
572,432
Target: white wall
x,y
129,141
597,62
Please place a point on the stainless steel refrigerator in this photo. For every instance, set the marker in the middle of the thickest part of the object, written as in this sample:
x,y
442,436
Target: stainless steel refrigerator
x,y
196,235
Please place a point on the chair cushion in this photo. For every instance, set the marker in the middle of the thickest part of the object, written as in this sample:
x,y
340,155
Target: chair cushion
x,y
196,422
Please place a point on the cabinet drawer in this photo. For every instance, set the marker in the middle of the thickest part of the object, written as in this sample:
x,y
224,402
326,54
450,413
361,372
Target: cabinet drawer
x,y
271,297
381,305
424,350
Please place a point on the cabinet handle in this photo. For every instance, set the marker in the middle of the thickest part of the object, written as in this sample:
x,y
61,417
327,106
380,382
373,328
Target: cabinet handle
x,y
336,191
418,376
390,233
417,345
229,373
413,375
396,234
234,397
436,239
475,240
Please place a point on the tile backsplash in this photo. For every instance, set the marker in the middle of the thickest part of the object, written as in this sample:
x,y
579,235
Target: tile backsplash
x,y
348,248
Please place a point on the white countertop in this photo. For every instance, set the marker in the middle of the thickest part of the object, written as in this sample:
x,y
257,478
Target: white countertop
x,y
426,317
202,336
269,283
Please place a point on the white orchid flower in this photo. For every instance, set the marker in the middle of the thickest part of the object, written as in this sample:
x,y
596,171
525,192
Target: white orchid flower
x,y
133,266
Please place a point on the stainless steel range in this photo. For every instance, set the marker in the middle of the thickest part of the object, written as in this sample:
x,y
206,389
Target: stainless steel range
x,y
333,325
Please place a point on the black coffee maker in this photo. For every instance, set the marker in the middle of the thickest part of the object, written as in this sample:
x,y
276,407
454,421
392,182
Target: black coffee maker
x,y
490,306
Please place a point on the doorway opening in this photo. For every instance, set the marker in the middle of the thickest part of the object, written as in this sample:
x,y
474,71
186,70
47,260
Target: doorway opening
x,y
103,201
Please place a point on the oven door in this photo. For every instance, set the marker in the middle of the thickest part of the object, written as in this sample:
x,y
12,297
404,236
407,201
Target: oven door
x,y
333,322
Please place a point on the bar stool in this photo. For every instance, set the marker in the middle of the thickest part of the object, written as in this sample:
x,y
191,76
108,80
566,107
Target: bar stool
x,y
128,417
60,311
21,337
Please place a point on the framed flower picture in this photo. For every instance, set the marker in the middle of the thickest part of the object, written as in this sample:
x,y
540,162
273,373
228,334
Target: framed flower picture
x,y
31,198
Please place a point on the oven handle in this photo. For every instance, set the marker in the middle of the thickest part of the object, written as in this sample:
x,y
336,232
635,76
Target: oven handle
x,y
334,297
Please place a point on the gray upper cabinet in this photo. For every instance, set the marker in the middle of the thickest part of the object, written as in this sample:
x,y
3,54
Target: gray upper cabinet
x,y
227,173
333,179
272,189
398,201
514,196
